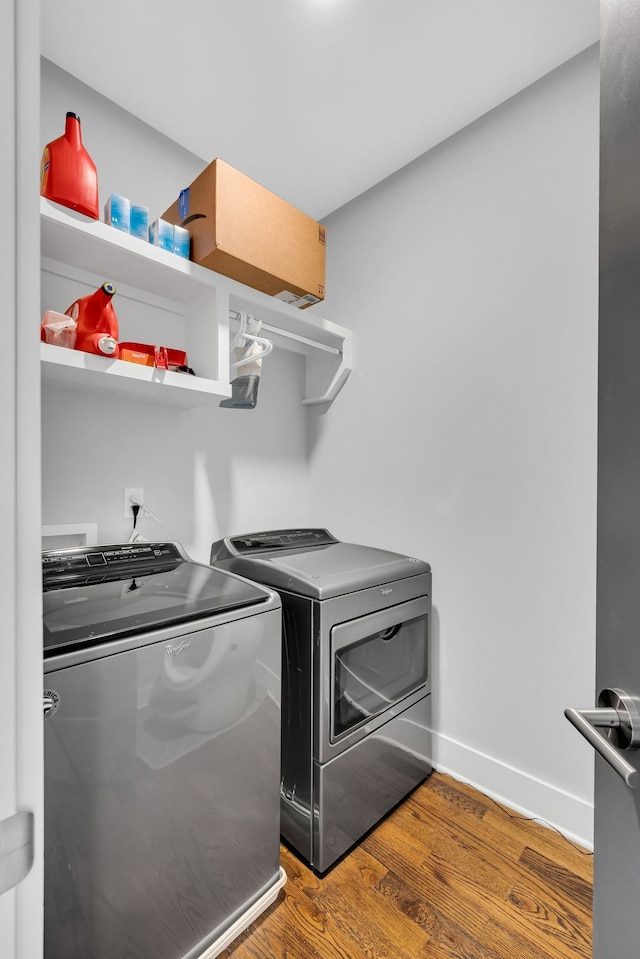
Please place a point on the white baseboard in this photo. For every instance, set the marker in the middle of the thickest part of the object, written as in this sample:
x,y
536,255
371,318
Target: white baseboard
x,y
513,787
245,920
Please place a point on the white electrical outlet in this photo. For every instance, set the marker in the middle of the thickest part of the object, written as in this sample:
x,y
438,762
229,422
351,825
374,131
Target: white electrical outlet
x,y
132,496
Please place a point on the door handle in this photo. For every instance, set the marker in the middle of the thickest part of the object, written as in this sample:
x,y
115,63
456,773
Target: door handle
x,y
619,714
16,849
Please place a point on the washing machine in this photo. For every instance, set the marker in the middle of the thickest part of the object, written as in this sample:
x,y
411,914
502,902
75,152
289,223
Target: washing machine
x,y
356,695
162,753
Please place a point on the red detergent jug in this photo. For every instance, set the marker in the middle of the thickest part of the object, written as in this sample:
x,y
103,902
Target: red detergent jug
x,y
68,174
97,322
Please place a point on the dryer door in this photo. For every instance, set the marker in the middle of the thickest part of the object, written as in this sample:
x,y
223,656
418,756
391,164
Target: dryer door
x,y
379,666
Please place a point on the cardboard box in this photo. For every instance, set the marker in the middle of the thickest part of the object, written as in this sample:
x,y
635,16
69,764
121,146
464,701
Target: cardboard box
x,y
242,230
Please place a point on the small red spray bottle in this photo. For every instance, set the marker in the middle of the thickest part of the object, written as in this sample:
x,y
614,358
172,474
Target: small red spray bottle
x,y
68,174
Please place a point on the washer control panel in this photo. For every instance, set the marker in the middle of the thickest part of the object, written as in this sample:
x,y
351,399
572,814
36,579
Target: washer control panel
x,y
282,539
63,564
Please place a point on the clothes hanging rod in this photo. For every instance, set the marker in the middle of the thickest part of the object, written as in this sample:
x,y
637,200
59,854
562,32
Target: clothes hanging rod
x,y
235,315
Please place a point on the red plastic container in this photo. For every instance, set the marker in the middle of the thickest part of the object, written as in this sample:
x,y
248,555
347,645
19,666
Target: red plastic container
x,y
147,354
68,175
142,353
97,322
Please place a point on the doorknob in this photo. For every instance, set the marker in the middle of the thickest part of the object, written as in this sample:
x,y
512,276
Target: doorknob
x,y
16,849
619,714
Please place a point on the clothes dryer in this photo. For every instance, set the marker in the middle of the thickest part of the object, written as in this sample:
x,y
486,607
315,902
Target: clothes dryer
x,y
356,701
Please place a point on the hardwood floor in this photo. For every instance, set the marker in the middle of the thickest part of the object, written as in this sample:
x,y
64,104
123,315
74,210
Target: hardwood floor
x,y
448,875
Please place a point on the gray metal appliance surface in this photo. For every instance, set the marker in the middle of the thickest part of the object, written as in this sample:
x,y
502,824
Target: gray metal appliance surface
x,y
356,694
162,751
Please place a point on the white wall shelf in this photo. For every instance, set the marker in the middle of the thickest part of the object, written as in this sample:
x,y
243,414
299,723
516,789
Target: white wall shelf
x,y
86,372
202,303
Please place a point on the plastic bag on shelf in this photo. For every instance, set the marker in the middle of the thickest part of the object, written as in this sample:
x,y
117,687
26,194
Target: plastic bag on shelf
x,y
247,351
59,329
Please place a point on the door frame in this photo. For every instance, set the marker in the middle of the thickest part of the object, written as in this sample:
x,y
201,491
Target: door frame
x,y
21,921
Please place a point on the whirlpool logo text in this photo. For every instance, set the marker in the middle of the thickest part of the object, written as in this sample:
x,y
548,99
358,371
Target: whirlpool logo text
x,y
180,648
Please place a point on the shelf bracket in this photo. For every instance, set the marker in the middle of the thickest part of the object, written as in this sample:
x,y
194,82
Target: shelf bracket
x,y
335,385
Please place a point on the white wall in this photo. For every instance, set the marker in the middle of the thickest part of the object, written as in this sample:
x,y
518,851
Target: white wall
x,y
206,472
467,433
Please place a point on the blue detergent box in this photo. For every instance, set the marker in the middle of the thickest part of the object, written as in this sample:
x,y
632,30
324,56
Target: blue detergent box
x,y
161,234
117,212
181,241
139,221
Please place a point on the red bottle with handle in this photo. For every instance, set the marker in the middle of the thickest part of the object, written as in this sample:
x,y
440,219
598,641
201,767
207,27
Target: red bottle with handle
x,y
68,175
97,330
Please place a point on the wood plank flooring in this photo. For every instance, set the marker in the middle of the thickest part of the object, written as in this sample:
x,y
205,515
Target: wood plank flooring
x,y
448,875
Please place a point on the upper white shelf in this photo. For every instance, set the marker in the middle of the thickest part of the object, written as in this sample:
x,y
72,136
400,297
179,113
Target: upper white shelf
x,y
71,240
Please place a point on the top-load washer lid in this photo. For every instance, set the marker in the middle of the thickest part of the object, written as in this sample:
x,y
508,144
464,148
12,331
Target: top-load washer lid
x,y
100,593
312,562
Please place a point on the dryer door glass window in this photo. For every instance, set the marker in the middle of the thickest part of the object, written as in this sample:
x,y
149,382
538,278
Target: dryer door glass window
x,y
376,662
